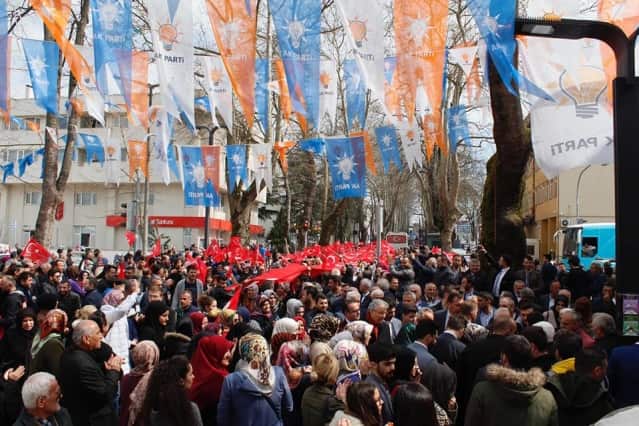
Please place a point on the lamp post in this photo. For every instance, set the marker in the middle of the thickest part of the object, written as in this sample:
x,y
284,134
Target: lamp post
x,y
207,210
626,128
578,191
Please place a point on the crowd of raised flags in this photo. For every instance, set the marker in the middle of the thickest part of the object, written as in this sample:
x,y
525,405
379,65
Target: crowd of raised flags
x,y
409,86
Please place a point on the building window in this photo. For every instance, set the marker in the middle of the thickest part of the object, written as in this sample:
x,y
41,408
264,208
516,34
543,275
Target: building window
x,y
84,236
32,198
86,198
117,120
187,236
11,155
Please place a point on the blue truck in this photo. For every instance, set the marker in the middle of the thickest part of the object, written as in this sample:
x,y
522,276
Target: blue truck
x,y
591,242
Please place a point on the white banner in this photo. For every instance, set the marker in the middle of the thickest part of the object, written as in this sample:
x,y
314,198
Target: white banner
x,y
411,143
219,90
172,29
464,57
364,20
328,91
93,100
260,164
161,130
112,156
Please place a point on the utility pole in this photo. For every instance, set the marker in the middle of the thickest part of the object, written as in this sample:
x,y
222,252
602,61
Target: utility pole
x,y
207,209
147,178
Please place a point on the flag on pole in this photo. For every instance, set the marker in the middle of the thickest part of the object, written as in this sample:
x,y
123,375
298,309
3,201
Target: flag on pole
x,y
157,248
198,190
347,164
388,147
234,26
172,32
236,166
42,60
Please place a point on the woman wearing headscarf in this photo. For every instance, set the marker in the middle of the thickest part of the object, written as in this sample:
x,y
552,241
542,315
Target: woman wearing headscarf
x,y
284,330
48,344
17,340
552,315
145,356
293,358
352,358
323,327
255,387
292,306
210,366
361,331
153,327
115,307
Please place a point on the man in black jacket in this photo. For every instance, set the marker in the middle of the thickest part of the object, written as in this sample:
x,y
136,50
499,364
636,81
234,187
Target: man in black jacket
x,y
579,281
42,407
89,389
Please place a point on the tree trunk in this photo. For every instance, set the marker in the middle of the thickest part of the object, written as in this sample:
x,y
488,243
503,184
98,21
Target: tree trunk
x,y
503,190
54,184
329,225
309,200
240,205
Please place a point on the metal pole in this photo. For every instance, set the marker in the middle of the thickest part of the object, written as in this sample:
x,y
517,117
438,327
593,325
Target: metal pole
x,y
380,230
145,214
578,191
207,209
137,210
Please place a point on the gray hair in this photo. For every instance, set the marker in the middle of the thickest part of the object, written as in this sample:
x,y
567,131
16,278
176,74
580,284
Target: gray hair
x,y
383,284
36,386
576,316
527,293
365,281
376,304
604,321
377,293
83,328
353,296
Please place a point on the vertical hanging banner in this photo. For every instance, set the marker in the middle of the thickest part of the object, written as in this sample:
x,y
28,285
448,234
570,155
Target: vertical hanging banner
x,y
409,134
260,163
5,72
347,164
234,27
219,90
285,96
113,158
431,125
42,59
198,190
282,149
162,130
421,27
355,95
297,23
495,20
464,57
173,162
388,147
138,158
134,77
316,146
112,40
328,91
368,151
236,166
211,160
262,78
90,95
94,148
391,94
457,126
364,24
172,30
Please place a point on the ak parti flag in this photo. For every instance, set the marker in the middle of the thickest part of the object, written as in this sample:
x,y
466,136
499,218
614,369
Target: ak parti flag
x,y
234,25
211,162
285,96
421,27
134,86
282,149
368,150
35,252
138,157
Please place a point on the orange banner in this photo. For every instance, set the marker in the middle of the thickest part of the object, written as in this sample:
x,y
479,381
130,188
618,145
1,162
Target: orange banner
x,y
282,149
139,90
211,159
368,150
285,96
235,29
420,34
434,133
138,157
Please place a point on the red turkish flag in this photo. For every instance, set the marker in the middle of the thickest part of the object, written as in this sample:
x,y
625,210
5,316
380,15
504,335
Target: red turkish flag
x,y
35,252
130,237
157,248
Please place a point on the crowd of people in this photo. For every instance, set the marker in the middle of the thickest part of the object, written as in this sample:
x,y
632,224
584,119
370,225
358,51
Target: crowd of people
x,y
432,339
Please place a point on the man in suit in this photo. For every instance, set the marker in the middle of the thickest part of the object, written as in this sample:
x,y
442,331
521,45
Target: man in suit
x,y
448,347
438,378
478,278
547,301
453,307
531,277
376,316
505,278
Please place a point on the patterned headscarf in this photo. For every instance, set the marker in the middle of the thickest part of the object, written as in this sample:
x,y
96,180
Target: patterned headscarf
x,y
360,330
349,354
254,348
114,298
323,327
292,357
52,327
145,356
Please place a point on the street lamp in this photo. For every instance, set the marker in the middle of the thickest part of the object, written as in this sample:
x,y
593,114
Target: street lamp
x,y
207,210
626,128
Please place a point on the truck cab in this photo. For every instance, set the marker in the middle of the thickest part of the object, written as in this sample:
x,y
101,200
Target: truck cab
x,y
591,242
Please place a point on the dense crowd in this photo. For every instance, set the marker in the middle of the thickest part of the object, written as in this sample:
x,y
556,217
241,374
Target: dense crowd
x,y
432,339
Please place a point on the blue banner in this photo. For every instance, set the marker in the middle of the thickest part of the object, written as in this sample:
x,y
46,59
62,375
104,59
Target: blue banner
x,y
112,36
262,77
496,23
198,191
388,147
355,95
236,165
42,60
25,162
203,102
4,18
347,163
297,23
457,126
173,163
94,148
8,169
316,146
390,63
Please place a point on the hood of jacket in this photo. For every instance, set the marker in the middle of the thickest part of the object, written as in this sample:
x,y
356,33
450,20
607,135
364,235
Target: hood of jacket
x,y
517,387
564,366
575,390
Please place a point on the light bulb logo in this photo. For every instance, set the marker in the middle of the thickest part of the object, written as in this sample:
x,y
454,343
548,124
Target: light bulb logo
x,y
216,76
110,151
168,36
584,87
325,79
359,31
296,32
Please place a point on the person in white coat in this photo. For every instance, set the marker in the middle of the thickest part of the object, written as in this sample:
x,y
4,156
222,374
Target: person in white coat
x,y
116,307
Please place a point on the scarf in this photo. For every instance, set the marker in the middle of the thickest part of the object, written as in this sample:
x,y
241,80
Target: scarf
x,y
52,327
253,350
208,370
145,356
323,327
292,357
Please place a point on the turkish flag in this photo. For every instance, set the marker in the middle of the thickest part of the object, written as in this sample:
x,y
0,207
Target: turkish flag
x,y
157,248
130,237
59,211
35,252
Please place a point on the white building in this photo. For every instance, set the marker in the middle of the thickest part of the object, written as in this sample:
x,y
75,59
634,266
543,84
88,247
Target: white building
x,y
92,214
